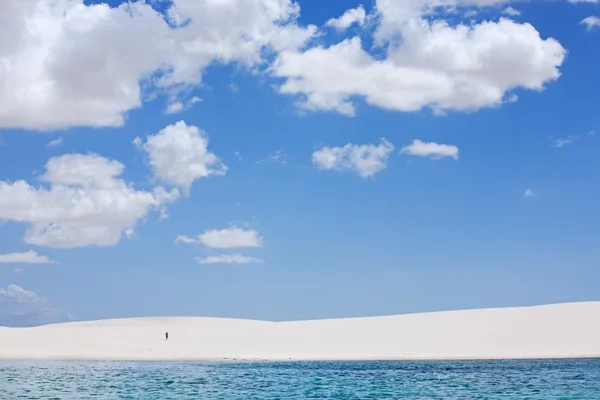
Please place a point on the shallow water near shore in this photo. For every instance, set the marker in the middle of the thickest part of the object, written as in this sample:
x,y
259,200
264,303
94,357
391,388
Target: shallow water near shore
x,y
522,379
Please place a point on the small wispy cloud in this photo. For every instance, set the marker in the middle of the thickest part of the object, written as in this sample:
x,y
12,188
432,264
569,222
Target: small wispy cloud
x,y
228,259
562,142
591,22
29,257
178,106
229,238
277,157
55,142
234,88
364,159
513,12
529,193
435,151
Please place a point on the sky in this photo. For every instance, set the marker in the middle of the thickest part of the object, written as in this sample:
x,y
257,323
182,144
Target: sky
x,y
282,160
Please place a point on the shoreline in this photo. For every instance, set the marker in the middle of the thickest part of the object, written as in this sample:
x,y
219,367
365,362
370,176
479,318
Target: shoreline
x,y
283,360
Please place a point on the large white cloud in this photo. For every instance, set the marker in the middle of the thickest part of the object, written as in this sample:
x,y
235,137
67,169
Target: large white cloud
x,y
228,238
19,307
63,63
179,155
85,204
462,68
366,160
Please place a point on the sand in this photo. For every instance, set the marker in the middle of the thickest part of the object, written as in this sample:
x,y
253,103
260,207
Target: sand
x,y
551,331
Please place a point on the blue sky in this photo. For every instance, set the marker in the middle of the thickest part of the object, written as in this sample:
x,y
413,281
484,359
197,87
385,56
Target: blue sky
x,y
494,205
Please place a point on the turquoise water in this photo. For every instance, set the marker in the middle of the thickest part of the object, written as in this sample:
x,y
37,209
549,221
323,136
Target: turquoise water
x,y
543,379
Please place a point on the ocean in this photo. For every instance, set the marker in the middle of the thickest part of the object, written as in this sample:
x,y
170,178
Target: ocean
x,y
524,379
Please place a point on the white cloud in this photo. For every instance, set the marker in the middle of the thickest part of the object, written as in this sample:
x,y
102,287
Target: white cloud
x,y
179,155
85,204
561,142
49,51
511,11
591,22
228,238
435,65
55,142
228,259
583,1
19,307
355,15
366,160
29,257
174,108
277,157
529,193
432,150
178,106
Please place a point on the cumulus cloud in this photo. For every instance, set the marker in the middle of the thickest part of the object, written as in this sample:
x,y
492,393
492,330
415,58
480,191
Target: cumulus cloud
x,y
228,259
352,16
366,160
228,238
432,150
29,257
19,307
427,63
529,193
179,155
50,49
85,203
591,22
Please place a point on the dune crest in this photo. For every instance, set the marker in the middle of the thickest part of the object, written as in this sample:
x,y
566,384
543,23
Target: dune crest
x,y
570,330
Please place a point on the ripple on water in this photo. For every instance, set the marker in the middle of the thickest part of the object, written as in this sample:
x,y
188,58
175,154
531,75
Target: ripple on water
x,y
524,379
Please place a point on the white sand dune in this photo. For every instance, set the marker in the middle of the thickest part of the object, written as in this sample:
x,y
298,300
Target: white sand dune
x,y
552,331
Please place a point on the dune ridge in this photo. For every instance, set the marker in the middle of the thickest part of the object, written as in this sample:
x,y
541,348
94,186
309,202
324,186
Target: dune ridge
x,y
569,330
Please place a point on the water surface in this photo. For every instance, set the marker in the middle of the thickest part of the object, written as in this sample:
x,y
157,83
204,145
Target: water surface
x,y
525,379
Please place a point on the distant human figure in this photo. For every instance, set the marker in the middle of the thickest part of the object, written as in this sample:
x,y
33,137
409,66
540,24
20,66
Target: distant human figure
x,y
166,335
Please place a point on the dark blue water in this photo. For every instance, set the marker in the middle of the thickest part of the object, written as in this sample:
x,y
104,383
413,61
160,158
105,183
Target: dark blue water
x,y
543,379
